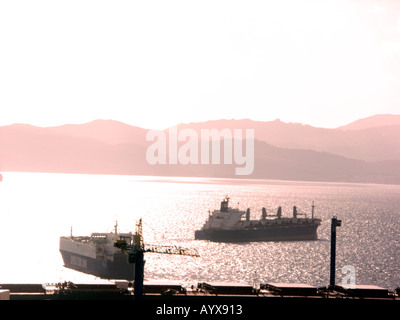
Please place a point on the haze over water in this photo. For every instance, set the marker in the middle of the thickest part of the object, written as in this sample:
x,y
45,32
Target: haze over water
x,y
36,209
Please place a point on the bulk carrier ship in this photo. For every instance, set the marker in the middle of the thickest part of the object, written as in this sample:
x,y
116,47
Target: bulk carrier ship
x,y
228,225
97,255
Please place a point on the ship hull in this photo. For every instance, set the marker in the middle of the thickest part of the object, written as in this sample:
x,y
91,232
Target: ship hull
x,y
281,233
82,257
119,268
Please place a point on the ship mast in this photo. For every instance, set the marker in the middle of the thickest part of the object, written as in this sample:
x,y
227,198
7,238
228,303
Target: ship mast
x,y
312,211
116,227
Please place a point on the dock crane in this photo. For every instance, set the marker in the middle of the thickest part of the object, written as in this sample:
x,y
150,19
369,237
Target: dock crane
x,y
136,250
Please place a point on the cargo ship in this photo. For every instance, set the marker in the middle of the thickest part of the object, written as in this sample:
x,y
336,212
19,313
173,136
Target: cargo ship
x,y
97,255
233,225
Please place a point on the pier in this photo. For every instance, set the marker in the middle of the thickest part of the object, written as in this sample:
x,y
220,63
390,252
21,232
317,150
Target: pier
x,y
124,290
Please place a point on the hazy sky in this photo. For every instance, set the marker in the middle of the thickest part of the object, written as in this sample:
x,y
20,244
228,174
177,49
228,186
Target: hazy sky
x,y
158,63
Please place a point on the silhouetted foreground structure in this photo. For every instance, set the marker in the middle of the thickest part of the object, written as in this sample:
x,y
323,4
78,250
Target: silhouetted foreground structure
x,y
159,290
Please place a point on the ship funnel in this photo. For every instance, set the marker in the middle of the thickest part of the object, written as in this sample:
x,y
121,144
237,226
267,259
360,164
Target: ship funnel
x,y
225,205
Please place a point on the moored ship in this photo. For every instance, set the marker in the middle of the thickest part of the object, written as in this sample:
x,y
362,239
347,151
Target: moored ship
x,y
97,255
228,225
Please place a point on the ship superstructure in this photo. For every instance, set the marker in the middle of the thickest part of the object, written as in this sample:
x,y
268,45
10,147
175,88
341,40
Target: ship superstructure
x,y
233,225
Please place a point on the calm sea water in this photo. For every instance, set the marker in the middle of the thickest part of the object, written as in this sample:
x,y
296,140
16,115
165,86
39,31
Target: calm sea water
x,y
36,209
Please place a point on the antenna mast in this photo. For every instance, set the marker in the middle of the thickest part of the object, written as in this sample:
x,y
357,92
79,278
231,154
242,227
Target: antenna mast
x,y
312,211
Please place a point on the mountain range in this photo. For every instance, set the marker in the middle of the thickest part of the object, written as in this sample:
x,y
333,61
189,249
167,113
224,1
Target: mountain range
x,y
367,150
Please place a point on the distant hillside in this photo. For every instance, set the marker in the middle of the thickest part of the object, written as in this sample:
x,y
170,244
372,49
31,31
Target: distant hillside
x,y
112,147
369,144
41,150
108,131
379,120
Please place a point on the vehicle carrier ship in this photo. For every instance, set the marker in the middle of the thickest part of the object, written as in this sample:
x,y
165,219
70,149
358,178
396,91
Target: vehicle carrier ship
x,y
97,255
228,225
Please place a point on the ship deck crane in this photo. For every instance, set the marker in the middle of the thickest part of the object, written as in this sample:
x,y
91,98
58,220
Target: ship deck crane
x,y
136,252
